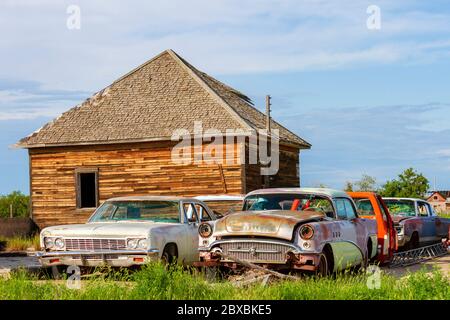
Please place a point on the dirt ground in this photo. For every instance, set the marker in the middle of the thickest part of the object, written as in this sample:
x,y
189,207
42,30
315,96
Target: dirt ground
x,y
442,262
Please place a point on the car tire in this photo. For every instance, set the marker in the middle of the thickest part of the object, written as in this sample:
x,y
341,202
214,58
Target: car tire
x,y
413,242
169,255
323,269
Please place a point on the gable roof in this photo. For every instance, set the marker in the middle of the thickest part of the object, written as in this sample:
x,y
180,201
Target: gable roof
x,y
152,101
443,193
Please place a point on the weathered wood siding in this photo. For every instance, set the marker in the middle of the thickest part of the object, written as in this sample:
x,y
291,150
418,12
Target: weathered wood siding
x,y
133,169
225,207
287,175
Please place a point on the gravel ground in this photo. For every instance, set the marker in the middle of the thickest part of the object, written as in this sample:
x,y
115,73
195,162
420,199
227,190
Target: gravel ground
x,y
7,264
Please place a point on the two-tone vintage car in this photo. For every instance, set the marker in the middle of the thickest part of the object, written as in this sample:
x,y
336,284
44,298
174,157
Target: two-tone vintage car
x,y
311,229
129,231
416,222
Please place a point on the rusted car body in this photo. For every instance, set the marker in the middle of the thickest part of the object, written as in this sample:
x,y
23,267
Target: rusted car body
x,y
371,206
416,222
129,231
310,229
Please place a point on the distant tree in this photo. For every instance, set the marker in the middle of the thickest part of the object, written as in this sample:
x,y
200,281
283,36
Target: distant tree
x,y
19,203
320,185
367,183
410,184
348,186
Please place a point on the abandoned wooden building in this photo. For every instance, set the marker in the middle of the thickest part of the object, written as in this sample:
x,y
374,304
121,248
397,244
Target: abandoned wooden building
x,y
118,143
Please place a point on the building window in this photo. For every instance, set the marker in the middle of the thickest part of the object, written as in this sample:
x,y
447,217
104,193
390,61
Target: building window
x,y
87,188
435,197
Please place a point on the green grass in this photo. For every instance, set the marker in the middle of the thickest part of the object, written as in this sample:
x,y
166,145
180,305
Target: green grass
x,y
444,215
19,243
155,282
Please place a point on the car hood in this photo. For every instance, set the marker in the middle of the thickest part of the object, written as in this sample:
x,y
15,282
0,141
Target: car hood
x,y
105,229
273,223
399,218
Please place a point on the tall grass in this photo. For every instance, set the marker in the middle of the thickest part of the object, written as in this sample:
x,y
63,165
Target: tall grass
x,y
20,243
155,282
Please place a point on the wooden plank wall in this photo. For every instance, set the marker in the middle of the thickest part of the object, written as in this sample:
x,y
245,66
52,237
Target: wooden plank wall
x,y
287,175
134,169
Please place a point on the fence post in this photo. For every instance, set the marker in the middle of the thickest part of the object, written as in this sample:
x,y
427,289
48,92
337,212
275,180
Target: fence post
x,y
11,210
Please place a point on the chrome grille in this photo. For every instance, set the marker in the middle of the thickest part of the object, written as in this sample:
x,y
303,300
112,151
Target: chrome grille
x,y
95,244
263,252
98,257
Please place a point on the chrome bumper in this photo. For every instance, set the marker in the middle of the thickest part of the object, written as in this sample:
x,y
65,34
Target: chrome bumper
x,y
115,258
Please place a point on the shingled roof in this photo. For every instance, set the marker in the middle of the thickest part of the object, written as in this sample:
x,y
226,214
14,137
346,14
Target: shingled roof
x,y
150,102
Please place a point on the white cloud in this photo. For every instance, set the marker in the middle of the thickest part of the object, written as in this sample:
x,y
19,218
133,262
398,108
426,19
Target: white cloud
x,y
218,36
444,152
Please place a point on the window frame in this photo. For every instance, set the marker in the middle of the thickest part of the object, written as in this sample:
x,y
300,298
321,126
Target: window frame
x,y
192,204
352,204
78,172
427,208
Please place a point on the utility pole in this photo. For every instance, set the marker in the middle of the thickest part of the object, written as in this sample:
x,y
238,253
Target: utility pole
x,y
268,104
11,210
266,178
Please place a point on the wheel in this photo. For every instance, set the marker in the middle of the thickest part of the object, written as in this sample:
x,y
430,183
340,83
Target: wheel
x,y
413,242
367,259
323,268
169,255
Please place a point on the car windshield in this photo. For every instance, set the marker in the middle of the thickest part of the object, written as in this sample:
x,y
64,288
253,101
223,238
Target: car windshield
x,y
157,211
294,202
401,207
364,207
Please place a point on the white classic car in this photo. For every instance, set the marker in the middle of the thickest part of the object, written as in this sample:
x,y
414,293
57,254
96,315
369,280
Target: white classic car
x,y
129,231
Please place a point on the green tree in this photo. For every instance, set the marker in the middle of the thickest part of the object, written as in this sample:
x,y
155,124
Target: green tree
x,y
19,203
348,186
410,184
367,183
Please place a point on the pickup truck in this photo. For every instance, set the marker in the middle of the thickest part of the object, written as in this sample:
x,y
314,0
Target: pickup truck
x,y
371,206
416,222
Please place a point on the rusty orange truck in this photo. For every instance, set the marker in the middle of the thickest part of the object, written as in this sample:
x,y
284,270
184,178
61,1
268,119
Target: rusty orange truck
x,y
371,206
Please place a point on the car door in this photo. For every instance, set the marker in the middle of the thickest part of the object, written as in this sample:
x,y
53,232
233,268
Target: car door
x,y
191,234
349,252
390,242
428,222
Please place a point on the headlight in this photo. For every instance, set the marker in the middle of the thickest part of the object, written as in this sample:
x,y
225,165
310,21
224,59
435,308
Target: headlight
x,y
48,242
132,243
306,232
205,230
142,244
59,243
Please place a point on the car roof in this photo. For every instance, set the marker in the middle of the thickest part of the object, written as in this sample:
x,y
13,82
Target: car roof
x,y
399,198
151,198
332,193
221,197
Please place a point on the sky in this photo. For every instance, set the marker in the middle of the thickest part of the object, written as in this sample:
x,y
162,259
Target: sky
x,y
370,101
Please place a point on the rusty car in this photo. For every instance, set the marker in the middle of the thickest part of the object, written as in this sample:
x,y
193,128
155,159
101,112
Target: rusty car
x,y
416,222
370,205
128,231
305,229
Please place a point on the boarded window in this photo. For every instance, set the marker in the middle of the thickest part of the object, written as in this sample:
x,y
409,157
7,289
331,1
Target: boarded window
x,y
87,188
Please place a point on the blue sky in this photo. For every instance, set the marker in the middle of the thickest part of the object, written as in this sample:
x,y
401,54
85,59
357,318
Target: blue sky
x,y
370,101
